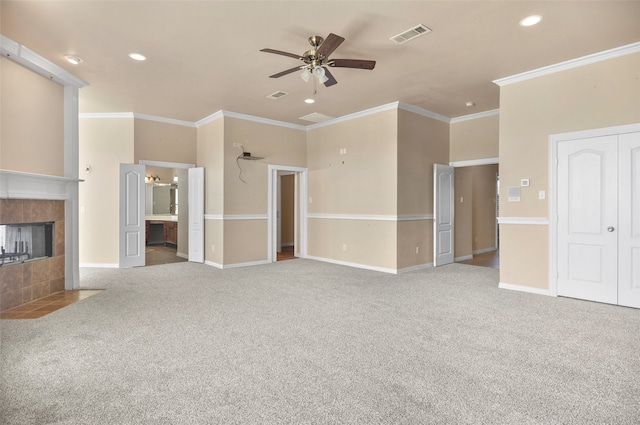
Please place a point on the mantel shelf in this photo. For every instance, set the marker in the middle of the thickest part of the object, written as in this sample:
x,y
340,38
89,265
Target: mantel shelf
x,y
23,185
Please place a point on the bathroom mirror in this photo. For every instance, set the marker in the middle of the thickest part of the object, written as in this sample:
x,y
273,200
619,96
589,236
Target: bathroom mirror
x,y
162,199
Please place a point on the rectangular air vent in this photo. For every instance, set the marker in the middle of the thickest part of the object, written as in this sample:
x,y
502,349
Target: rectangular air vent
x,y
410,34
277,95
316,117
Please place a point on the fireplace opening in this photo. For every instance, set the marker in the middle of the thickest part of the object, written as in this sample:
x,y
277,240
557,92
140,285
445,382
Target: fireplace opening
x,y
25,242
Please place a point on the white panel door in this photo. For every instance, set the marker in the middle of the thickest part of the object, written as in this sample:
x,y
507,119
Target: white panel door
x,y
629,220
132,210
443,188
196,214
588,219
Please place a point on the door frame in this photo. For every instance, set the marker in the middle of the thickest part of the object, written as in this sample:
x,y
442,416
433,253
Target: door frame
x,y
554,140
301,201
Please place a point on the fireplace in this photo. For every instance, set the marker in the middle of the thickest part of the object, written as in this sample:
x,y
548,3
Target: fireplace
x,y
32,243
25,242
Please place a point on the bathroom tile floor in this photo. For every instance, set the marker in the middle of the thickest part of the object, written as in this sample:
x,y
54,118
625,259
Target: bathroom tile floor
x,y
43,306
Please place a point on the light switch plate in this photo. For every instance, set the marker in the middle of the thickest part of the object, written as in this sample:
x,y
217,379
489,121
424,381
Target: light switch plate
x,y
524,182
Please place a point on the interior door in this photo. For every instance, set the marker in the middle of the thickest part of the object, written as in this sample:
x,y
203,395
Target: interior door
x,y
588,219
443,190
629,220
196,214
132,210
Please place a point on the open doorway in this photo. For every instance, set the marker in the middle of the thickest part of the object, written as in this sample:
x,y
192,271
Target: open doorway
x,y
287,190
154,213
476,212
286,247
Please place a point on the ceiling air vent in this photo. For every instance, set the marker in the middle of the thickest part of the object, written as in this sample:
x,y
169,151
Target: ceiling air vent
x,y
410,34
316,117
277,95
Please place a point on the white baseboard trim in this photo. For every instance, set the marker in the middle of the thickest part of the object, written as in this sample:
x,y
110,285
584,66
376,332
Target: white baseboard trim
x,y
463,258
520,288
100,265
248,264
236,265
212,264
485,250
414,268
182,255
349,264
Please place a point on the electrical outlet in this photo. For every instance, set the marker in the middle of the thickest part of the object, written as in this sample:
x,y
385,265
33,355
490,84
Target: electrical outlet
x,y
417,250
541,194
213,248
344,247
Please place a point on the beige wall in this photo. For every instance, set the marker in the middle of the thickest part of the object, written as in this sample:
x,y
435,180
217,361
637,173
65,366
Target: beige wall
x,y
474,139
484,207
362,182
229,241
210,155
463,213
104,145
422,142
159,141
32,118
598,95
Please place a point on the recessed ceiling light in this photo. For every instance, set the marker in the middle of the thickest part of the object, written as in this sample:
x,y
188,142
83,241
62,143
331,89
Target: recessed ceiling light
x,y
309,100
470,103
530,20
137,56
73,59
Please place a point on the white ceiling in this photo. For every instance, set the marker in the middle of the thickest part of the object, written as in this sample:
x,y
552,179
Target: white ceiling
x,y
205,56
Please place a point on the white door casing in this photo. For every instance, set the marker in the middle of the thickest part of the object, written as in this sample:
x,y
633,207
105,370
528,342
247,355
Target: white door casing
x,y
279,215
443,199
588,219
196,214
629,220
131,220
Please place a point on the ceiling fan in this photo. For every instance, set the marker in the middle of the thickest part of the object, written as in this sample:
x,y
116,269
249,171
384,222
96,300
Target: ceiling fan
x,y
317,60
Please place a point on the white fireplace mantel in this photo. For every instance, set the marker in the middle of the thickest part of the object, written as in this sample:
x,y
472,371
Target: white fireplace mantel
x,y
21,185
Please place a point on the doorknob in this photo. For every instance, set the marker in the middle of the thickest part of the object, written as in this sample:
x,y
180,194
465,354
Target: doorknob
x,y
610,229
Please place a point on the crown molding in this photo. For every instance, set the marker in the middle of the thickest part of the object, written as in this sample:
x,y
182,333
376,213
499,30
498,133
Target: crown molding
x,y
245,117
474,162
33,61
164,120
423,112
476,116
570,64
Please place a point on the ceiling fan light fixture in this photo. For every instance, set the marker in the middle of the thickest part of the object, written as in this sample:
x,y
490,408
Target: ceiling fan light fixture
x,y
306,75
318,71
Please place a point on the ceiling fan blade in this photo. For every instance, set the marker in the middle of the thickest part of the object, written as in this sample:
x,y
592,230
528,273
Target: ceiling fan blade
x,y
288,71
330,44
279,52
331,80
352,63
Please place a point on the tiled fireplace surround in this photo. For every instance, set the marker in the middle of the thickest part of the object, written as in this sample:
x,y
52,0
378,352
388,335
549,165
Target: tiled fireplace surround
x,y
24,282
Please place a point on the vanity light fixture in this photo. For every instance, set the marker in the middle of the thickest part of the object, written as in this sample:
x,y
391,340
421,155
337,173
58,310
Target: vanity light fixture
x,y
152,179
73,59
